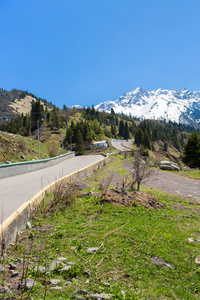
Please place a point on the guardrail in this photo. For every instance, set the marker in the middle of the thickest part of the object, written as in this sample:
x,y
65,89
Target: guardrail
x,y
30,166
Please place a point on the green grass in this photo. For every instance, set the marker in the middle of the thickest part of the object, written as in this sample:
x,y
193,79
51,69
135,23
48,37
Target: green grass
x,y
127,238
10,146
193,173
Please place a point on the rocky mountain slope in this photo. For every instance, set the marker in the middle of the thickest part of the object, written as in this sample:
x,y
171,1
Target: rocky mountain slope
x,y
16,102
177,106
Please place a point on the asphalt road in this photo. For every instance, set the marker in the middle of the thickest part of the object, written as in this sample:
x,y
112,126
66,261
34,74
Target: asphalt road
x,y
16,190
118,145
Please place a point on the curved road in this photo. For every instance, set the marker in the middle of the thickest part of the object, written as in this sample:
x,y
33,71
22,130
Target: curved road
x,y
16,190
118,144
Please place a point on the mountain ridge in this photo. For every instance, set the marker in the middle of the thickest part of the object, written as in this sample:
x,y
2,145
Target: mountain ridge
x,y
161,104
16,102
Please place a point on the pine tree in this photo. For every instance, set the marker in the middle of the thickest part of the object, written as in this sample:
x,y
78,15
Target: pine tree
x,y
113,130
48,118
165,146
146,140
192,151
121,128
126,131
112,111
79,143
55,119
27,124
139,136
37,110
87,137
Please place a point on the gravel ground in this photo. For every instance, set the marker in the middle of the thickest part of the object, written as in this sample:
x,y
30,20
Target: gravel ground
x,y
175,184
172,183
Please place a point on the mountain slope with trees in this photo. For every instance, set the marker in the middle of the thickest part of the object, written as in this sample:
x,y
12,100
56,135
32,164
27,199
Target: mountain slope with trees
x,y
78,128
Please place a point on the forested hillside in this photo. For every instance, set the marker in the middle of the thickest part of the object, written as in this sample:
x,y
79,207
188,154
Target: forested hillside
x,y
80,127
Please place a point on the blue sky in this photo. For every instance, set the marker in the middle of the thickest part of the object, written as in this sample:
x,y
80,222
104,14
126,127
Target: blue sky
x,y
88,51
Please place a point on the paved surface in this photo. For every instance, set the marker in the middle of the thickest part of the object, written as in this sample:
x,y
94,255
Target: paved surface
x,y
16,190
118,144
175,184
171,183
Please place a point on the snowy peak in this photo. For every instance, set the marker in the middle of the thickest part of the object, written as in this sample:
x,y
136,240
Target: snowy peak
x,y
177,106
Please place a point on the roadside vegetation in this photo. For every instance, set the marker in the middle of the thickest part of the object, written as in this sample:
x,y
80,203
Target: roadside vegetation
x,y
17,148
135,252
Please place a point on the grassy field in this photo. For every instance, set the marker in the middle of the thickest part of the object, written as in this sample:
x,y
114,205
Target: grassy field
x,y
142,253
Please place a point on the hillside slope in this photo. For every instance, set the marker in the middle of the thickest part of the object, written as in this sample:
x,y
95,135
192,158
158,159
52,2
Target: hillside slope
x,y
16,102
17,148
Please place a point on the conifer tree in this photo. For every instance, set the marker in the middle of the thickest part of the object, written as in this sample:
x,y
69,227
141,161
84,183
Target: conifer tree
x,y
55,119
27,124
139,136
146,140
121,128
126,131
165,146
79,143
37,110
192,151
113,130
48,118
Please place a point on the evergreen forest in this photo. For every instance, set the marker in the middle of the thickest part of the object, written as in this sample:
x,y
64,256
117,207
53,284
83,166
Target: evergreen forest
x,y
84,126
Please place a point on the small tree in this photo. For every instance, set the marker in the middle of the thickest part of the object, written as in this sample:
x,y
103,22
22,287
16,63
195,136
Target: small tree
x,y
141,170
53,148
165,146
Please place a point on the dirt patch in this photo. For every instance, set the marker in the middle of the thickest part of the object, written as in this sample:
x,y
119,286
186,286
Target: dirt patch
x,y
121,197
113,180
160,261
186,207
170,183
127,166
79,186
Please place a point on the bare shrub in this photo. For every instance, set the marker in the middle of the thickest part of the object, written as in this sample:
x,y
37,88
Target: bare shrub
x,y
62,197
22,146
53,148
141,170
125,155
103,186
124,181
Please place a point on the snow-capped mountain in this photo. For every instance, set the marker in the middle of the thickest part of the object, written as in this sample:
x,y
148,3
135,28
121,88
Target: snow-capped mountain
x,y
76,106
178,106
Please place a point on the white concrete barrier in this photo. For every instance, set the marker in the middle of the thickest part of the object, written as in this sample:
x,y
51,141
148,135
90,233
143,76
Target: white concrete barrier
x,y
29,166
